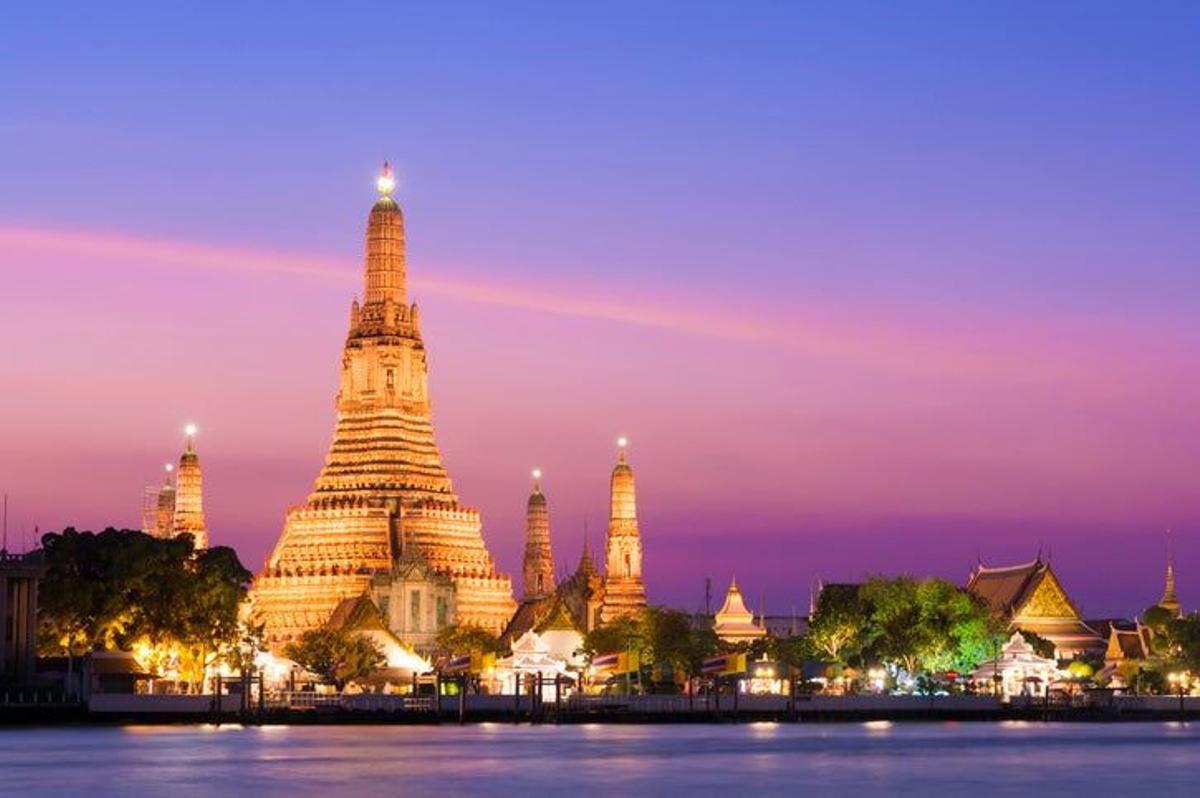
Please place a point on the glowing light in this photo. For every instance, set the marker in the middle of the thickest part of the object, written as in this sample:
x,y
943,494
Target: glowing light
x,y
385,183
170,468
622,442
190,430
537,473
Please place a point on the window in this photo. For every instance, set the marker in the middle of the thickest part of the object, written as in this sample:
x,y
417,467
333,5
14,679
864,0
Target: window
x,y
540,586
391,378
441,612
414,610
628,566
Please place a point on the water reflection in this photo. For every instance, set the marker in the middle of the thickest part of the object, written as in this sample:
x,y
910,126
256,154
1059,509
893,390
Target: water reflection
x,y
926,759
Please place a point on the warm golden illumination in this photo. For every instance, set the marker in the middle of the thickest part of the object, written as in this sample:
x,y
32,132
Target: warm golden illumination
x,y
190,430
622,442
170,468
537,473
383,490
386,182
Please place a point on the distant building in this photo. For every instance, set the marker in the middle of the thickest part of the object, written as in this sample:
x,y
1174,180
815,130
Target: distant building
x,y
1031,599
785,625
178,506
20,575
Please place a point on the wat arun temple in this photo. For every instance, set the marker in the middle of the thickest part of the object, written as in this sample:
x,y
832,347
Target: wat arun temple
x,y
383,520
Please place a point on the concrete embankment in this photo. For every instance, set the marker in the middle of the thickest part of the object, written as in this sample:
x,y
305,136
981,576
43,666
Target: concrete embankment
x,y
367,708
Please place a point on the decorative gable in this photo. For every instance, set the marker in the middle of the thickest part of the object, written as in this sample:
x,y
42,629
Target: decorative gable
x,y
1047,600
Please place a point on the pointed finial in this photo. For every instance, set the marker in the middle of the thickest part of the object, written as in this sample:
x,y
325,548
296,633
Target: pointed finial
x,y
386,182
189,434
170,467
622,443
537,480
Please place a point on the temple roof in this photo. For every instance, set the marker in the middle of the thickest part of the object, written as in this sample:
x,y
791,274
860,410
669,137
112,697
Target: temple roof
x,y
1129,643
1006,589
734,608
357,615
734,620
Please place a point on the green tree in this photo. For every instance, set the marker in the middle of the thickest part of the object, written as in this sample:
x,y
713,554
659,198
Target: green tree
x,y
895,632
622,635
207,621
838,623
335,655
465,639
958,630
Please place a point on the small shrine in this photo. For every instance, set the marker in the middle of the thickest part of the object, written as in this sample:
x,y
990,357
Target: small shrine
x,y
1018,671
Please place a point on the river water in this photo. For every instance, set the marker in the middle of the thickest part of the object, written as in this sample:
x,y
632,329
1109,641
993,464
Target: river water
x,y
877,758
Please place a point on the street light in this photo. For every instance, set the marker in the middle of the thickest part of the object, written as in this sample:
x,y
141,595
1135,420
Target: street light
x,y
1180,681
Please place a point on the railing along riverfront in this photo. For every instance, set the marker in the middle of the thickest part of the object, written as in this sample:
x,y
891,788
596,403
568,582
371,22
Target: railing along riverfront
x,y
361,702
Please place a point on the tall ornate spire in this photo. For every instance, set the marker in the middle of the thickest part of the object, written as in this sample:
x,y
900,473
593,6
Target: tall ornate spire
x,y
539,561
1169,600
624,591
189,506
385,267
383,496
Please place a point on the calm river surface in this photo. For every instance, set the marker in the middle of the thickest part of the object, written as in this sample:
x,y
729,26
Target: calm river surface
x,y
926,759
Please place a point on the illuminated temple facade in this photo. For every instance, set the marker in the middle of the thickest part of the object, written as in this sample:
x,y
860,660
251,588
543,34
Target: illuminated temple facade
x,y
624,590
382,518
585,599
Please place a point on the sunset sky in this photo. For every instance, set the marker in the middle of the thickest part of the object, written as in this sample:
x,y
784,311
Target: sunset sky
x,y
868,290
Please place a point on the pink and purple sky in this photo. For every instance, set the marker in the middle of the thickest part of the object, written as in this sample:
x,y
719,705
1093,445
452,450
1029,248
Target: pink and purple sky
x,y
869,290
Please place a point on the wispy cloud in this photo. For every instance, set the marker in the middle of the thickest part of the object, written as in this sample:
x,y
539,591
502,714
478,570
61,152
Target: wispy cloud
x,y
895,343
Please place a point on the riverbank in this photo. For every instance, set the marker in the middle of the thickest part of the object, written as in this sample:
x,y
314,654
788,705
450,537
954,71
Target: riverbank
x,y
388,709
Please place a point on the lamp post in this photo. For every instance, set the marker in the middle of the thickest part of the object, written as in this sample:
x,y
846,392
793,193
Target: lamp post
x,y
1179,680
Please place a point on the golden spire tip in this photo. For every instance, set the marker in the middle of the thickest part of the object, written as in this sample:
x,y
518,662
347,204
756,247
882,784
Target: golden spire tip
x,y
386,182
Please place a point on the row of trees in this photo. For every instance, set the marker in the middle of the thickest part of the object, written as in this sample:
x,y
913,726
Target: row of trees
x,y
121,589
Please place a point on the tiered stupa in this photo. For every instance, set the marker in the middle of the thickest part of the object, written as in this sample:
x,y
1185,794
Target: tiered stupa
x,y
383,492
734,622
164,516
624,590
189,506
539,561
1170,600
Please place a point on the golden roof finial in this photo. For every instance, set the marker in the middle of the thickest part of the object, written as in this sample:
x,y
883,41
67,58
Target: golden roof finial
x,y
622,443
386,182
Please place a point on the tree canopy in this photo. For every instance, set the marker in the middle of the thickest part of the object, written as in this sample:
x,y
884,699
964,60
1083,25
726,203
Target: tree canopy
x,y
338,656
920,626
122,588
466,639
